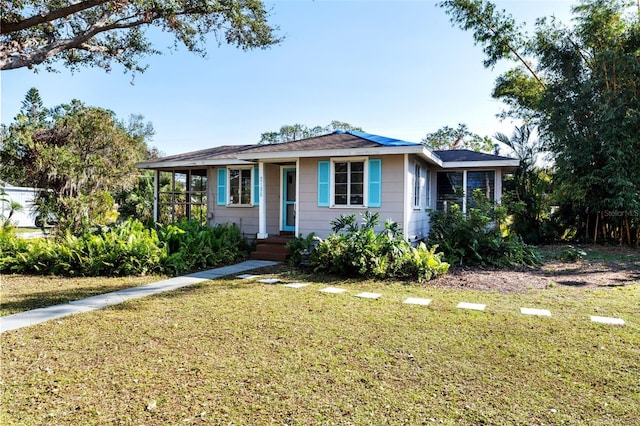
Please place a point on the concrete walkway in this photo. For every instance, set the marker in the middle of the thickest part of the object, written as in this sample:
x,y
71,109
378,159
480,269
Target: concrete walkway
x,y
36,316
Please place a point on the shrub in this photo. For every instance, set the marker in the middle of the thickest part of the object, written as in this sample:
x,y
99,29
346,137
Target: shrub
x,y
357,250
476,238
191,246
128,248
300,244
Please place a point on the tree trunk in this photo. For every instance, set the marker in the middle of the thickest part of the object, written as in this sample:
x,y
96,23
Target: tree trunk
x,y
595,229
626,222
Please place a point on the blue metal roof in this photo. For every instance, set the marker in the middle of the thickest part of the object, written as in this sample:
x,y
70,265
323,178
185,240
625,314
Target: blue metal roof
x,y
382,140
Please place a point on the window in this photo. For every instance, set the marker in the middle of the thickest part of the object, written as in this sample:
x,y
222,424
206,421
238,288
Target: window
x,y
450,190
182,194
350,183
348,189
483,181
418,185
240,185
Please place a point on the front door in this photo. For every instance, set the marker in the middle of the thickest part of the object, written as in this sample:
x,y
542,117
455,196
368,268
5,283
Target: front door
x,y
289,200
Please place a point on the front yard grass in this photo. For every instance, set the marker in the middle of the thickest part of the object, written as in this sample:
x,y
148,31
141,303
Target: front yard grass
x,y
20,293
239,352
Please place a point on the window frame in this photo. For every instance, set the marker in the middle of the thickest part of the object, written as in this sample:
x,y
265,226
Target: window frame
x,y
419,185
365,182
177,201
229,202
465,184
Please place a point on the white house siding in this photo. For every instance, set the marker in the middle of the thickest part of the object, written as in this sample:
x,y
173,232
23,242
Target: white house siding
x,y
418,222
24,196
247,217
318,219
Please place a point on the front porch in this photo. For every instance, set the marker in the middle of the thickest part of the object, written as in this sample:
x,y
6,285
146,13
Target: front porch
x,y
273,247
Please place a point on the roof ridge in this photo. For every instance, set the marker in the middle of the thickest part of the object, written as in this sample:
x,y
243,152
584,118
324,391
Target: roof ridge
x,y
382,140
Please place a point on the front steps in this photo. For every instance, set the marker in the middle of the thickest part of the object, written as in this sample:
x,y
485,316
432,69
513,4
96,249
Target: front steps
x,y
272,248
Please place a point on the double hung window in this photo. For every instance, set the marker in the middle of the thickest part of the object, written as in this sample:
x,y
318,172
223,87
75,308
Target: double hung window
x,y
348,183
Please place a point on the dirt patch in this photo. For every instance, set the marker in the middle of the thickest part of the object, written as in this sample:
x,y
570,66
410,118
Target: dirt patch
x,y
587,274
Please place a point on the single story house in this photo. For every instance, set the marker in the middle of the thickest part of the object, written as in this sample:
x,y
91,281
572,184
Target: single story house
x,y
299,187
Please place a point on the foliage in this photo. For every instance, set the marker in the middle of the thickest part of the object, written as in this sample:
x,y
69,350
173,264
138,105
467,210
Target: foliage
x,y
8,205
358,250
128,248
579,86
476,239
76,155
289,133
299,245
572,254
192,246
527,193
459,138
125,249
98,33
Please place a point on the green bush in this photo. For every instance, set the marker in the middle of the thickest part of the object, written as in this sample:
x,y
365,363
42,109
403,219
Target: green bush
x,y
476,238
300,244
358,250
128,248
191,246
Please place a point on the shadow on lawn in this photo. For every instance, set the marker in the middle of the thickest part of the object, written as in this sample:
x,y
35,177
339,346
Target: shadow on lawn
x,y
43,299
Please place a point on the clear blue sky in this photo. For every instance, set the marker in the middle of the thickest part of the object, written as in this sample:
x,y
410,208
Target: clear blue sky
x,y
394,68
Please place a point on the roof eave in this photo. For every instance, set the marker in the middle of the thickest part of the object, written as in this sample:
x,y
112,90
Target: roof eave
x,y
478,164
190,164
348,152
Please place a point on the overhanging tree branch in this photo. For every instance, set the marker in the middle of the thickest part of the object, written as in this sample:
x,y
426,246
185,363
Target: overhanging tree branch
x,y
11,27
62,29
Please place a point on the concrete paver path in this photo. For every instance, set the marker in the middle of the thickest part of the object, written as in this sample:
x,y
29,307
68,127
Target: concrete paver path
x,y
36,316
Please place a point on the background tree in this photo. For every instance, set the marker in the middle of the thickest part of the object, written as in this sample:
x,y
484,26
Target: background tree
x,y
79,156
583,94
289,133
458,138
527,193
98,33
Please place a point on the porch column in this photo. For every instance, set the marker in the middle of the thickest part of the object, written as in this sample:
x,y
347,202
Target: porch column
x,y
156,190
262,207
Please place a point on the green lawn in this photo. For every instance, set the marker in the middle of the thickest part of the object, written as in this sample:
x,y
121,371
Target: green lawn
x,y
238,352
24,292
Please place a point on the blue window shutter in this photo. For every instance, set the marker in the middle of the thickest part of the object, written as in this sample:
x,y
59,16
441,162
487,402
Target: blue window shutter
x,y
256,186
324,182
222,186
375,183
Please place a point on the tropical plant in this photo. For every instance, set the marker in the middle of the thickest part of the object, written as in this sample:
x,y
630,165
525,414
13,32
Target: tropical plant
x,y
476,238
356,249
527,193
579,86
126,248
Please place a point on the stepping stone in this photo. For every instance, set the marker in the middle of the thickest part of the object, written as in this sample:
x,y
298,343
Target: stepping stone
x,y
472,306
607,320
417,301
269,280
296,285
333,290
538,312
247,276
367,295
